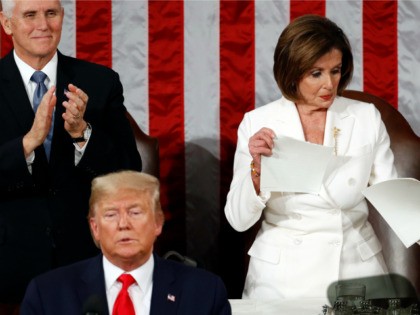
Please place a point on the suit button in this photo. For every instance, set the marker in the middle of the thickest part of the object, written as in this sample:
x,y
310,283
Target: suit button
x,y
335,211
297,216
334,243
351,182
297,241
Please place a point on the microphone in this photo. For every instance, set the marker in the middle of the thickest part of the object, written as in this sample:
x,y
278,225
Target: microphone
x,y
94,305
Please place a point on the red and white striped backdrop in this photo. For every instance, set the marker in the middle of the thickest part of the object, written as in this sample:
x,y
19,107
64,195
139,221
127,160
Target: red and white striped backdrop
x,y
190,69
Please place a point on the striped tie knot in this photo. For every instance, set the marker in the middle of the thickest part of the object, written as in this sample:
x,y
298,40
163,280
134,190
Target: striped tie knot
x,y
38,77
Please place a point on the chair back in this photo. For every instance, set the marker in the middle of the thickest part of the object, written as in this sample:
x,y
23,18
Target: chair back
x,y
405,145
148,148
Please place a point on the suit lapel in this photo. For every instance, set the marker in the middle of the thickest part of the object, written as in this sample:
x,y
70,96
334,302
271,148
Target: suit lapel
x,y
338,132
92,287
340,120
62,149
15,93
17,101
285,121
166,293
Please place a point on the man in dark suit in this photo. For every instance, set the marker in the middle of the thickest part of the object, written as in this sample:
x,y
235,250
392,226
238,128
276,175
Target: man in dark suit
x,y
44,196
125,218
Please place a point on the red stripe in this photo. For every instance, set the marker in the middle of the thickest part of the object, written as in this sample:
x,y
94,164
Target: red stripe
x,y
380,49
302,7
166,100
94,31
6,43
237,78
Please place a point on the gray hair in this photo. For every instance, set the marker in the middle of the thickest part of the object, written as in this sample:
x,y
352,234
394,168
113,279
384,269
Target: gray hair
x,y
7,7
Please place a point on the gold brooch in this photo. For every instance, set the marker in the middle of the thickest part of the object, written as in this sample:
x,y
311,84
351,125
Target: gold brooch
x,y
335,135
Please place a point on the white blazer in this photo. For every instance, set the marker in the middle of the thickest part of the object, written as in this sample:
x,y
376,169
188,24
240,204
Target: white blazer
x,y
308,241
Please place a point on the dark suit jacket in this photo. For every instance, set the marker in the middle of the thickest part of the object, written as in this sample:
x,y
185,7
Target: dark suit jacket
x,y
43,215
80,288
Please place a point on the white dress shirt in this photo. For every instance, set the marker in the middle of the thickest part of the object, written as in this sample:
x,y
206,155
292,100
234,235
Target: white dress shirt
x,y
50,69
140,292
26,71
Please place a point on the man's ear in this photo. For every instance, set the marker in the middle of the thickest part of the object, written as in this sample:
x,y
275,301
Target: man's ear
x,y
5,22
93,228
159,221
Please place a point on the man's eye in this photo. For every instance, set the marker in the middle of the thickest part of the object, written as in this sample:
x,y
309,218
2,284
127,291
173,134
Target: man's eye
x,y
110,215
51,14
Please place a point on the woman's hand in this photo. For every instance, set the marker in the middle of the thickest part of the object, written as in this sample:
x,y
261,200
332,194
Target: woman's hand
x,y
261,143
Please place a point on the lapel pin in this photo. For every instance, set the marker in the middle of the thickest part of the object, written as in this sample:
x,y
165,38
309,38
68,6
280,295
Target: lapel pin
x,y
171,297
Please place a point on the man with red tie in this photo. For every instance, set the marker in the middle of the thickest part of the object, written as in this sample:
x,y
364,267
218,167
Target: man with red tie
x,y
125,218
62,123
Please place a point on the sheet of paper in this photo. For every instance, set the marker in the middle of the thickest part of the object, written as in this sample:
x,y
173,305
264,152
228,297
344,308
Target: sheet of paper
x,y
295,166
398,201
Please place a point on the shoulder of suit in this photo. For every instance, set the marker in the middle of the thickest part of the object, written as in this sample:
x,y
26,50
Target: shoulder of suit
x,y
349,101
353,106
187,272
65,273
75,63
271,107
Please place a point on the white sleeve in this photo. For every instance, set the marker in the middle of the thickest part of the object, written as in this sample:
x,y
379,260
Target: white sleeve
x,y
243,206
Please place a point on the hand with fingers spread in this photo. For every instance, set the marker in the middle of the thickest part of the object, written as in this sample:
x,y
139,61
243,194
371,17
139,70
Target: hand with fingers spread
x,y
75,106
42,123
261,143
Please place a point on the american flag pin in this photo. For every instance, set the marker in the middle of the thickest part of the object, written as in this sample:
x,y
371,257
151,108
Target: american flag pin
x,y
171,297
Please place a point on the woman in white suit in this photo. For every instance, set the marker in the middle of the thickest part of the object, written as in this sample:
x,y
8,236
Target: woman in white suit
x,y
308,241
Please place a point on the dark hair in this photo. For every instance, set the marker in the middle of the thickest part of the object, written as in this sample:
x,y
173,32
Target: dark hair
x,y
301,44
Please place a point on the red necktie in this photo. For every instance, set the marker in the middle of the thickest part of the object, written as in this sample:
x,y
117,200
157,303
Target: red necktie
x,y
123,304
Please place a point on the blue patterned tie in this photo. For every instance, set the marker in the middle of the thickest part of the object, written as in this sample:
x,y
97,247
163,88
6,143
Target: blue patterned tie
x,y
39,77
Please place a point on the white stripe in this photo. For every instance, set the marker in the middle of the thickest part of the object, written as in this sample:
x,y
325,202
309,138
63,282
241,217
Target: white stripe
x,y
202,107
409,62
347,14
130,56
67,44
271,17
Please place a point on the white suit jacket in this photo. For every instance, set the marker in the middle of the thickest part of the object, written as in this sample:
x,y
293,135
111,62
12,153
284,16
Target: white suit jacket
x,y
322,237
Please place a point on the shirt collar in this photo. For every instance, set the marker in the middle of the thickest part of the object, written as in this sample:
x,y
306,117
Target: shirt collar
x,y
143,275
26,70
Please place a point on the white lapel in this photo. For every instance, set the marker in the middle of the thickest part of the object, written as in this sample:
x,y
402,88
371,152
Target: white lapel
x,y
338,119
284,120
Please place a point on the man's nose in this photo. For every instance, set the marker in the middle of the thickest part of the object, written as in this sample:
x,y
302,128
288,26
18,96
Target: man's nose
x,y
123,221
41,21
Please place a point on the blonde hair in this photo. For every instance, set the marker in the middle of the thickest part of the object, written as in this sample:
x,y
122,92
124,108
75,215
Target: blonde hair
x,y
132,180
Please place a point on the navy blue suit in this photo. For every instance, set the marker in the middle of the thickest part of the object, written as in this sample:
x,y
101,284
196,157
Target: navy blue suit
x,y
69,290
43,215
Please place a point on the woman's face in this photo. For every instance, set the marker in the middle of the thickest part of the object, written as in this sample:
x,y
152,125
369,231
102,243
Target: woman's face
x,y
319,85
